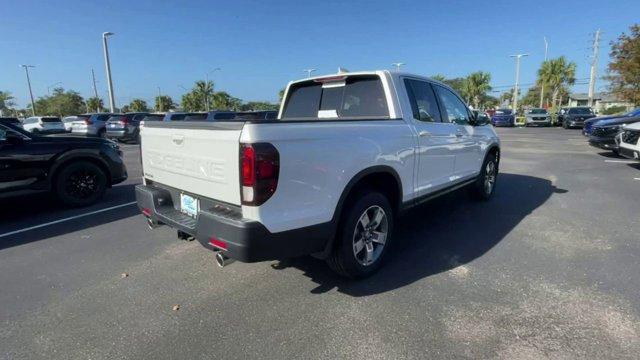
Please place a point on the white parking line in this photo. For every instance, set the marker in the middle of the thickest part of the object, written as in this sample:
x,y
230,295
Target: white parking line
x,y
621,161
65,219
636,179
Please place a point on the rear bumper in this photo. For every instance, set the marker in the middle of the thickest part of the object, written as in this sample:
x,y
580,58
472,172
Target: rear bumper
x,y
120,134
244,240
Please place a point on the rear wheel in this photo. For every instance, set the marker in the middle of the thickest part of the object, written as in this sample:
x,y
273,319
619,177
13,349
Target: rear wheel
x,y
363,237
484,186
80,183
565,125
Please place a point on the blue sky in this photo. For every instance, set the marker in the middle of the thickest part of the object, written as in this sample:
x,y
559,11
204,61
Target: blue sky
x,y
261,45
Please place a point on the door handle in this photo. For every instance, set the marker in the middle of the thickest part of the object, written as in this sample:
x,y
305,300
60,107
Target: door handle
x,y
424,133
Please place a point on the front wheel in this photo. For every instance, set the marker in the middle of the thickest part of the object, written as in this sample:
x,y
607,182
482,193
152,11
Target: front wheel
x,y
364,236
80,183
484,186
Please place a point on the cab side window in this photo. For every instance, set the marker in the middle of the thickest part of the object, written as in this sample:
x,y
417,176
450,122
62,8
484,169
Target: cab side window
x,y
423,101
455,111
3,133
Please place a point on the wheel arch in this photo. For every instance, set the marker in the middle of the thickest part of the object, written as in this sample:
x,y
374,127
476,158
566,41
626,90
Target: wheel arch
x,y
67,158
380,177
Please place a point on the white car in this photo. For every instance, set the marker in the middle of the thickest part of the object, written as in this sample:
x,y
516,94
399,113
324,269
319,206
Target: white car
x,y
43,124
68,122
347,154
628,141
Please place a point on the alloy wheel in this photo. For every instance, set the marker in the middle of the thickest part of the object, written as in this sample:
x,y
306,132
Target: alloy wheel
x,y
370,235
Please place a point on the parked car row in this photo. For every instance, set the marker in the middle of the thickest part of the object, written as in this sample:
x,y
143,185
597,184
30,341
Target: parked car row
x,y
615,133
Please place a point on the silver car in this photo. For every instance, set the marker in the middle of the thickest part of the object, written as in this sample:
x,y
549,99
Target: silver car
x,y
91,124
68,122
537,117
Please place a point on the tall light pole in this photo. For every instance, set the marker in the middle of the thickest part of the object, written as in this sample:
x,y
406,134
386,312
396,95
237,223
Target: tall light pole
x,y
206,97
309,71
594,66
398,65
33,105
546,49
515,89
52,85
107,64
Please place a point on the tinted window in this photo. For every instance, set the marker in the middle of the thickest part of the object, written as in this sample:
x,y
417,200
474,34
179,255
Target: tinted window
x,y
50,119
3,133
454,109
358,96
103,117
224,116
423,100
538,111
195,117
153,118
503,112
117,118
583,111
303,101
177,117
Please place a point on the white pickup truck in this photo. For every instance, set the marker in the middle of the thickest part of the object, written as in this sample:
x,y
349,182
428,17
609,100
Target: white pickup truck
x,y
347,154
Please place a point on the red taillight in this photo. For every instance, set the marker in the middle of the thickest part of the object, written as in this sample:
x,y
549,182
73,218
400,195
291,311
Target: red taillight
x,y
259,170
146,212
88,122
124,121
218,243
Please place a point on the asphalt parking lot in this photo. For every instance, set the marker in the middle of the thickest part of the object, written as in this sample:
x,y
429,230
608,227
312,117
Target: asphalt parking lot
x,y
547,269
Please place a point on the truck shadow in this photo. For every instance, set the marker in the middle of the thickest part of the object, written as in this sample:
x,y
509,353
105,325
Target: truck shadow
x,y
26,211
441,235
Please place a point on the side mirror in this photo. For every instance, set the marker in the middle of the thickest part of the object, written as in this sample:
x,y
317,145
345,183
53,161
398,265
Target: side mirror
x,y
479,119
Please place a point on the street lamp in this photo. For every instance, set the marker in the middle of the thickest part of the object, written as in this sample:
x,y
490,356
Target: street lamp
x,y
398,65
33,105
515,89
546,49
309,71
52,85
107,64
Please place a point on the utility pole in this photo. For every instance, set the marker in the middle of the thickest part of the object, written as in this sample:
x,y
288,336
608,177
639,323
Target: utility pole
x,y
546,49
594,65
33,105
95,91
107,64
398,65
206,97
515,89
309,71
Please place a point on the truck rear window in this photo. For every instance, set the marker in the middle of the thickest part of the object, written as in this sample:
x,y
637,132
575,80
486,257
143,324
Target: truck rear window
x,y
50,119
356,97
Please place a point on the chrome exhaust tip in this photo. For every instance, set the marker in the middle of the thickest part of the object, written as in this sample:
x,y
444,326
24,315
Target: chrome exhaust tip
x,y
222,260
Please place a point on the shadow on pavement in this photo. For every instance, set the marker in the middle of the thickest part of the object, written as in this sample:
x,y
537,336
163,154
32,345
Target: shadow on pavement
x,y
26,211
441,235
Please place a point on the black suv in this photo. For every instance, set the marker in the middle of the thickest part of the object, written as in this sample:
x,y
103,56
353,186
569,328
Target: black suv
x,y
575,117
77,170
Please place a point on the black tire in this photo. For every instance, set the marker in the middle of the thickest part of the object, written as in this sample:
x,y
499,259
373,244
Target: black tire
x,y
345,259
102,133
565,125
80,183
616,152
484,187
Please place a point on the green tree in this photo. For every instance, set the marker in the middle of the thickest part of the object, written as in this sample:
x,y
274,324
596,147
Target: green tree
x,y
138,105
60,103
281,94
475,86
6,101
439,77
95,104
164,103
624,68
557,74
197,99
258,105
223,101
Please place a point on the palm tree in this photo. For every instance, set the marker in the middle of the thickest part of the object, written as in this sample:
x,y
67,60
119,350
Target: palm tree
x,y
203,90
476,86
138,105
95,104
163,103
555,74
439,77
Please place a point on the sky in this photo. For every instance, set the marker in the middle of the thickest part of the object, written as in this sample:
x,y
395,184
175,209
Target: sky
x,y
162,46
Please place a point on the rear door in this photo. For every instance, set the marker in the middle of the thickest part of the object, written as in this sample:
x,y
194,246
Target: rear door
x,y
198,158
436,140
467,152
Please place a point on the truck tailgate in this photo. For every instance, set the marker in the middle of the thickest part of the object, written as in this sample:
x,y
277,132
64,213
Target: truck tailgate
x,y
200,158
